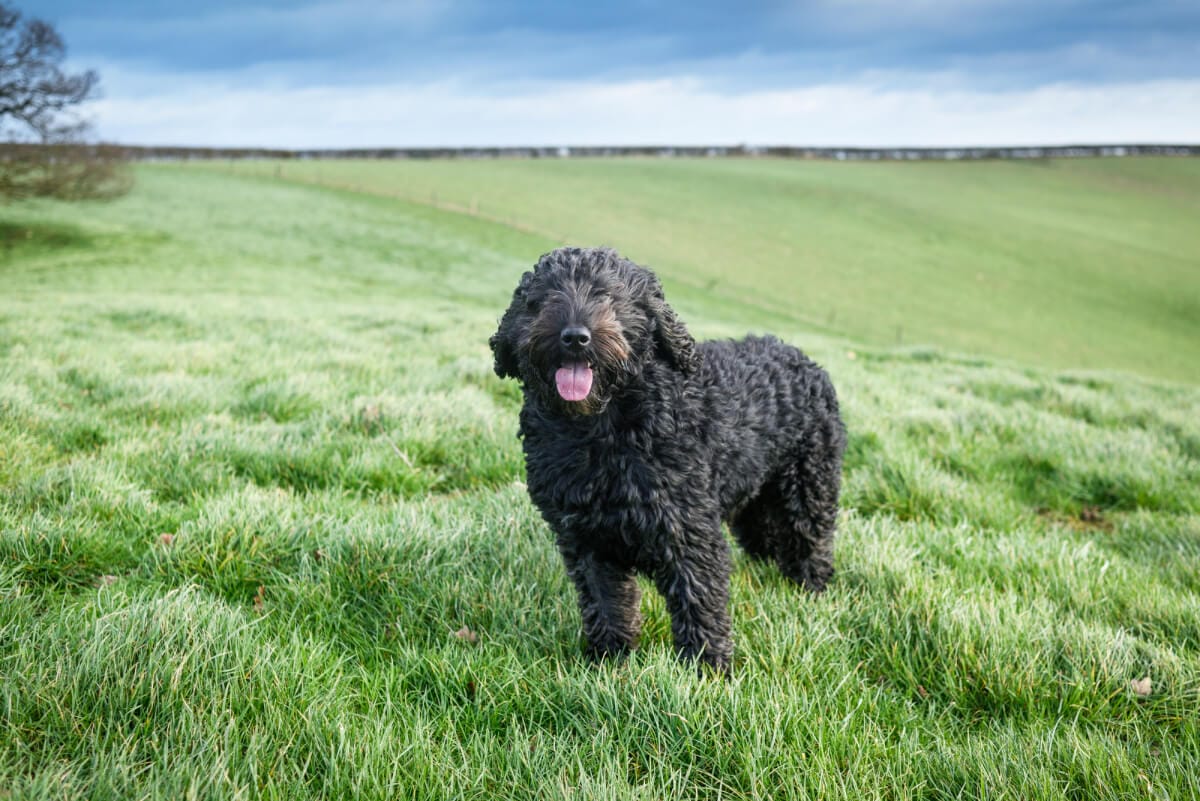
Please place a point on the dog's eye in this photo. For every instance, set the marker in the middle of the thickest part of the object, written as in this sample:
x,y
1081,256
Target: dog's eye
x,y
533,306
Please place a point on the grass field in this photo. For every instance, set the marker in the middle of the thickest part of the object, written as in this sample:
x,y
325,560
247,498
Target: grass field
x,y
263,533
1090,263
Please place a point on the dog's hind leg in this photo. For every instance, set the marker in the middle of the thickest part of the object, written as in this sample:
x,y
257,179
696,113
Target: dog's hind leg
x,y
802,526
754,523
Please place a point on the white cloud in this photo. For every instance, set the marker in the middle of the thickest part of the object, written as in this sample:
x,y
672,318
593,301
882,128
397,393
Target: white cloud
x,y
179,110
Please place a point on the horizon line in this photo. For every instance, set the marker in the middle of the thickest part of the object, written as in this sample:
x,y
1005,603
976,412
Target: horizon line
x,y
814,152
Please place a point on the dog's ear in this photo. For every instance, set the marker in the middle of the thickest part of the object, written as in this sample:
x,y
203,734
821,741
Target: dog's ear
x,y
671,336
504,341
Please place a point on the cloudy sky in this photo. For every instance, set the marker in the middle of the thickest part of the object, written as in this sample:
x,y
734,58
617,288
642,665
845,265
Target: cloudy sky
x,y
361,73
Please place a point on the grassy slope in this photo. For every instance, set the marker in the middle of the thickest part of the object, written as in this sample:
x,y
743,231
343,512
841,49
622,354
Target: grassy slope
x,y
1088,263
293,384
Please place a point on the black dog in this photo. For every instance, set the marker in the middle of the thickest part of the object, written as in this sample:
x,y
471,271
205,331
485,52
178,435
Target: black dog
x,y
639,442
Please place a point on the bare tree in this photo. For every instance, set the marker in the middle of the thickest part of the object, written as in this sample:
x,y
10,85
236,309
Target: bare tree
x,y
43,139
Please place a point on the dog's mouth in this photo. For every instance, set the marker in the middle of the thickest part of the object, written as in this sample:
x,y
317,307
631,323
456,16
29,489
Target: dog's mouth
x,y
574,381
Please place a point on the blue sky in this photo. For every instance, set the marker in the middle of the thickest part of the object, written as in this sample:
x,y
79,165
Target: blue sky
x,y
865,72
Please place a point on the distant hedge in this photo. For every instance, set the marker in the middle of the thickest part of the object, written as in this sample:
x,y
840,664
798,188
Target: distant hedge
x,y
151,153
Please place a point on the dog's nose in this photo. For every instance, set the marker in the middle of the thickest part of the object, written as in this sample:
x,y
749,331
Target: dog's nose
x,y
576,336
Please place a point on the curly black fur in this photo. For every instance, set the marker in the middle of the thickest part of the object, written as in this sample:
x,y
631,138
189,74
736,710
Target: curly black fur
x,y
671,439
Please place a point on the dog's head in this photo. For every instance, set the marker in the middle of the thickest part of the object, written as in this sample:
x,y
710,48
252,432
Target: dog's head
x,y
582,324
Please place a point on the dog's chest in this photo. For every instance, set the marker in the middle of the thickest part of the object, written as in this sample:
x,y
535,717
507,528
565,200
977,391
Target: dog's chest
x,y
601,479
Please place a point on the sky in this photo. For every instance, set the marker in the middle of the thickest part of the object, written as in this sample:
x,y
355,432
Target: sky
x,y
364,73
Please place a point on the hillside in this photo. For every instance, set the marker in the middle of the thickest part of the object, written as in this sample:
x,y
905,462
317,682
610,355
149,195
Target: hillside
x,y
263,532
1088,263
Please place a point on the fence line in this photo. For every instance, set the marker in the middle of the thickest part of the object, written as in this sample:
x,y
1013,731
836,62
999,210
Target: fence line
x,y
172,153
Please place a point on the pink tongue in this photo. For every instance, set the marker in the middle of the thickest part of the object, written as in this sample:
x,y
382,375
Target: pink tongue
x,y
574,381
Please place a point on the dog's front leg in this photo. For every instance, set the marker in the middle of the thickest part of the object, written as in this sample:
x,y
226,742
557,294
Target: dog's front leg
x,y
609,603
695,584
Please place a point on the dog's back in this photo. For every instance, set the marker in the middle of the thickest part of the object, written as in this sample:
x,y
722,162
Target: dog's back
x,y
762,399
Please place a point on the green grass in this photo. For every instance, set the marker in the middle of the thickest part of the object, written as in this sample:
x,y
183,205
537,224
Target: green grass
x,y
1091,263
256,475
